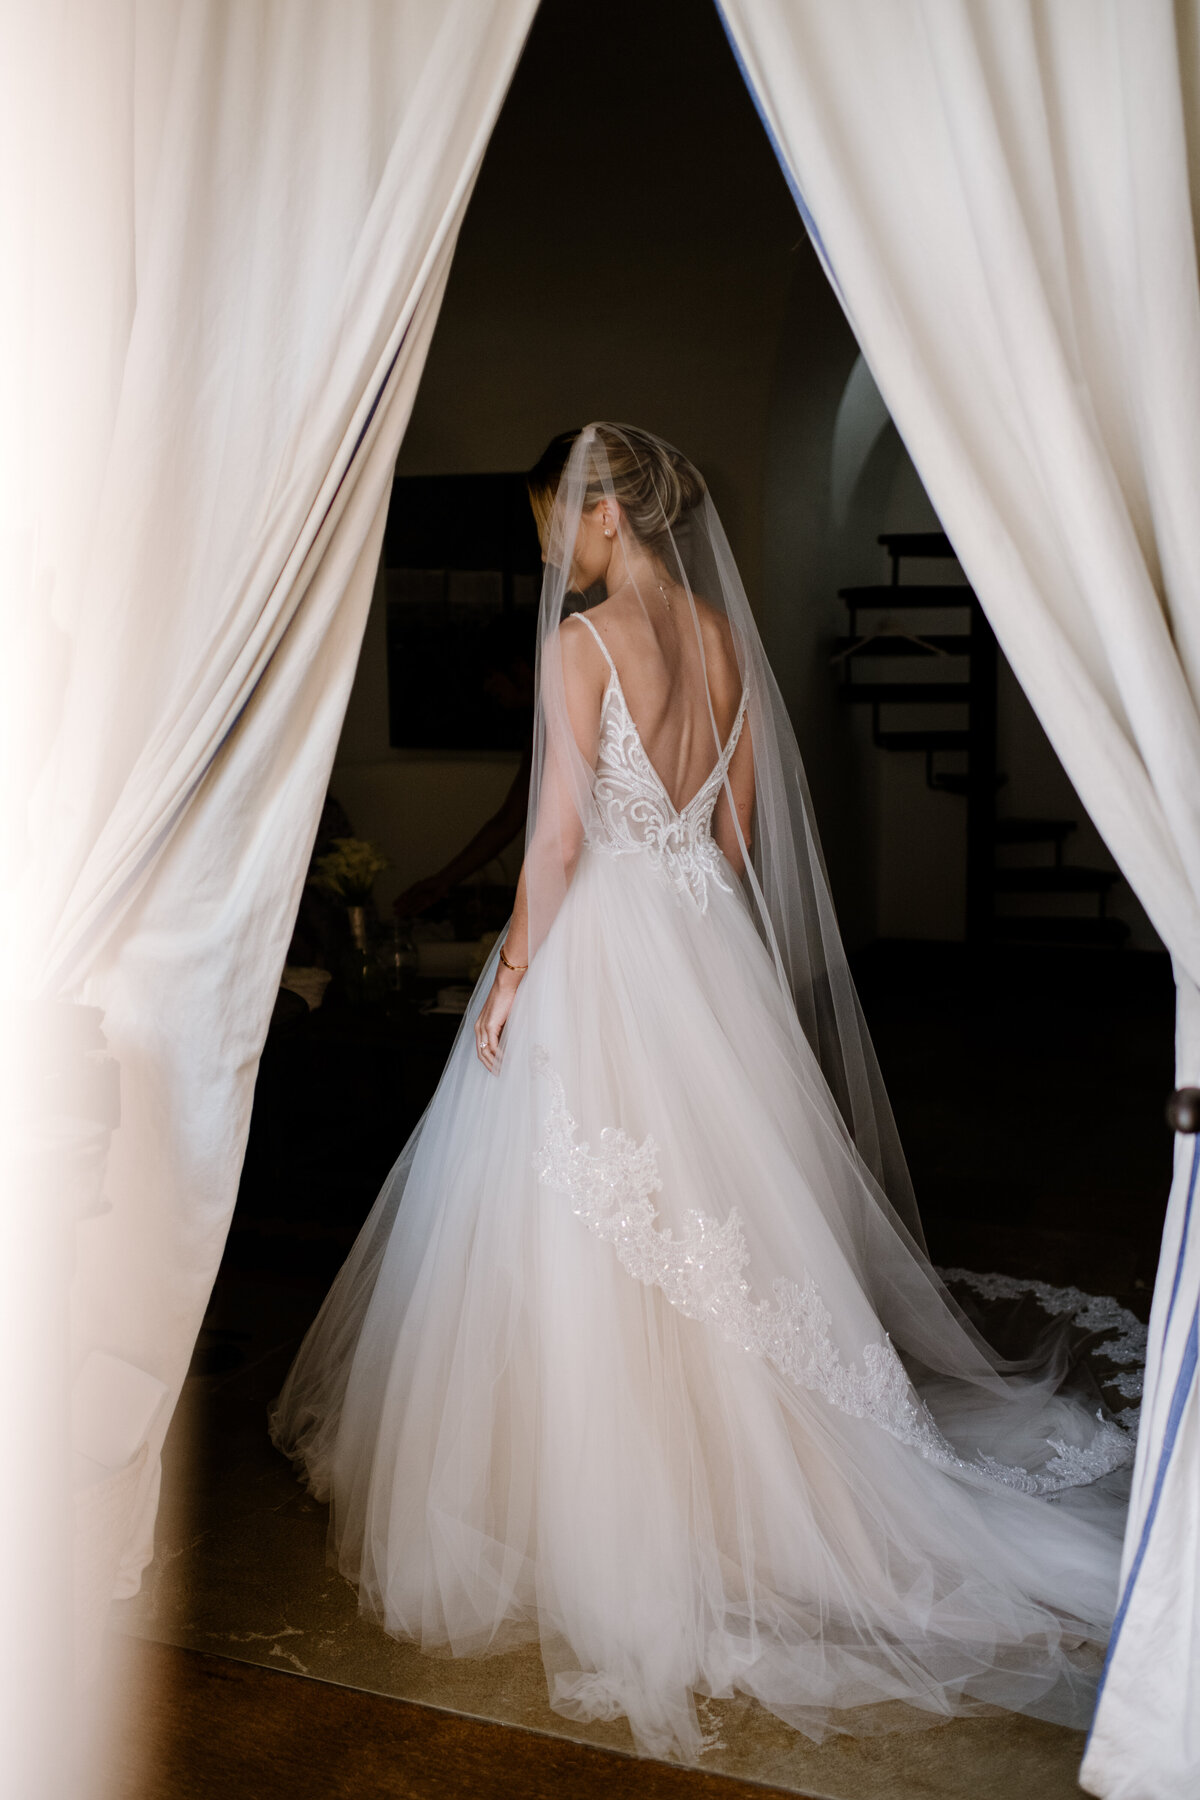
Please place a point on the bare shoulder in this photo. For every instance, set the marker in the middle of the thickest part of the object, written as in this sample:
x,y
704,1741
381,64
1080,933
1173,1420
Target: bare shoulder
x,y
581,654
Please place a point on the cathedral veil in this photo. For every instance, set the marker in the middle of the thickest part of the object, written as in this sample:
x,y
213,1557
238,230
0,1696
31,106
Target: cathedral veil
x,y
785,878
784,883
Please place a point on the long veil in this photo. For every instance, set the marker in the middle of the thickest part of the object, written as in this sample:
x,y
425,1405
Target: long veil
x,y
785,878
992,1405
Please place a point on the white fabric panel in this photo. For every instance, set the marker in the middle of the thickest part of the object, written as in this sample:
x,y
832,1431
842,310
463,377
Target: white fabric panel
x,y
1005,195
245,221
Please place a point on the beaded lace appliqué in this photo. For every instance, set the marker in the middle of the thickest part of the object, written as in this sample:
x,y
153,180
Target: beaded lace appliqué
x,y
700,1273
636,810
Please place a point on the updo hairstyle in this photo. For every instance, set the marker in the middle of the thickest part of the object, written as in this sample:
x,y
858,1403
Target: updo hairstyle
x,y
654,484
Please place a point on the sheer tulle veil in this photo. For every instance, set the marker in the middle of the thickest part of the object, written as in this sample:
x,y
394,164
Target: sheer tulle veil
x,y
785,881
662,504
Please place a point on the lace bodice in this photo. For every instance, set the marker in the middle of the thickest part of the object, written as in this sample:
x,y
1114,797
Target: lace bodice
x,y
635,812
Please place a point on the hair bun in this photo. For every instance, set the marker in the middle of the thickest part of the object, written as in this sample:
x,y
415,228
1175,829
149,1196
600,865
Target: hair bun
x,y
655,483
690,483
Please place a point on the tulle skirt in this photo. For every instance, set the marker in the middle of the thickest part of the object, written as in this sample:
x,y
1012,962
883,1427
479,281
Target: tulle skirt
x,y
623,1374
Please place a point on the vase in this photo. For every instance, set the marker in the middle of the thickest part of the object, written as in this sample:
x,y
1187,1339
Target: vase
x,y
359,929
398,959
360,976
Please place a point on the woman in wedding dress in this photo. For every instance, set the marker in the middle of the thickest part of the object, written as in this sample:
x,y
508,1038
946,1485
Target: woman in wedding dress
x,y
639,1353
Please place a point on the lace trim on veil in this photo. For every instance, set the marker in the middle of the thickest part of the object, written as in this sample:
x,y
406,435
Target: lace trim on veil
x,y
700,1274
1096,1314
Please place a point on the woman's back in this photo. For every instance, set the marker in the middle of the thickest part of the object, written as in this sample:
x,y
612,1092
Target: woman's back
x,y
675,687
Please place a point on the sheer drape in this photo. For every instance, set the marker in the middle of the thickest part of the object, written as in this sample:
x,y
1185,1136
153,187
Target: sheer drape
x,y
1005,196
242,220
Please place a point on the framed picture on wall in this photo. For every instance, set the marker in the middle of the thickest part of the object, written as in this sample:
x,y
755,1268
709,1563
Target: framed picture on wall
x,y
462,575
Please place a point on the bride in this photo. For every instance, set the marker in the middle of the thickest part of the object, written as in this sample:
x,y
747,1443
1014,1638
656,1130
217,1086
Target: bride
x,y
639,1353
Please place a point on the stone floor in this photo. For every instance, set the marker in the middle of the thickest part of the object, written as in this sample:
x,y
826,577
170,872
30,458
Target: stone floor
x,y
1032,1111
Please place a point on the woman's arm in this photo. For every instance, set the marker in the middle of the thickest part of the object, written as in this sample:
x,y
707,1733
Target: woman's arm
x,y
558,831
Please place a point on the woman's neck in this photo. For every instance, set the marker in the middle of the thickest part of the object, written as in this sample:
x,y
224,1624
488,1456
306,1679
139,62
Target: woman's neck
x,y
638,572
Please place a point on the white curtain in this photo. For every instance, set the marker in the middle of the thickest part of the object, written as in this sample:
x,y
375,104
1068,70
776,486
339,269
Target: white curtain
x,y
1005,195
236,232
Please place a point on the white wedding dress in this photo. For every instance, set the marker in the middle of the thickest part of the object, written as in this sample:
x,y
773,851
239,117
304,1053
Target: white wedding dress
x,y
616,1376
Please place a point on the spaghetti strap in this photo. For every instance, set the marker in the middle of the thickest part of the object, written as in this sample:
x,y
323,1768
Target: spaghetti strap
x,y
584,620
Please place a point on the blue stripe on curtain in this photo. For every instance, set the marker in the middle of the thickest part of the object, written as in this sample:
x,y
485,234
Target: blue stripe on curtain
x,y
810,224
1183,1387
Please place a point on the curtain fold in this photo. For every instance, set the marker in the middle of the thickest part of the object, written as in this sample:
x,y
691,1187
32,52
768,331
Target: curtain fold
x,y
242,221
1005,194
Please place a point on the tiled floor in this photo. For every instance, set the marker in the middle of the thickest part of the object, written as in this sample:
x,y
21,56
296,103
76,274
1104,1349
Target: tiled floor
x,y
1033,1123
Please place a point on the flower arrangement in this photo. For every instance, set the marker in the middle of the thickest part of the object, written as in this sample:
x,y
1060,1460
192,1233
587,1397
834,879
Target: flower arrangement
x,y
349,870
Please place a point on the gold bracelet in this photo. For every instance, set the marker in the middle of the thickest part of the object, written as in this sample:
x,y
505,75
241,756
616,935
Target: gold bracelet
x,y
517,968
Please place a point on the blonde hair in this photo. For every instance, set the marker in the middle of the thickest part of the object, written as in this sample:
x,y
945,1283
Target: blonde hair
x,y
654,484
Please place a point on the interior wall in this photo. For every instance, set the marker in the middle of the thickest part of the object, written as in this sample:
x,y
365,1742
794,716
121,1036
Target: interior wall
x,y
802,570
